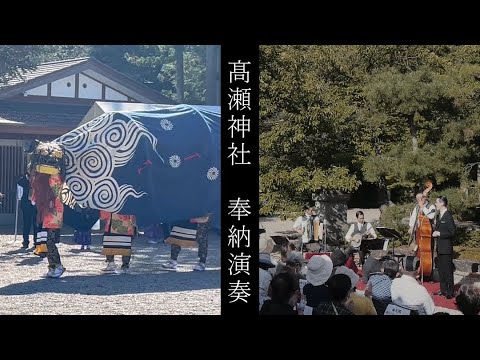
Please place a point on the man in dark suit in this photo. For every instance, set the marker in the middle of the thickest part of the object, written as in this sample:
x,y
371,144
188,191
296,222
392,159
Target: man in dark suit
x,y
29,211
444,232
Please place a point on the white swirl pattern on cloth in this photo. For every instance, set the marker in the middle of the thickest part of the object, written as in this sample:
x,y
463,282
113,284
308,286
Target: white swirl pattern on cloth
x,y
93,151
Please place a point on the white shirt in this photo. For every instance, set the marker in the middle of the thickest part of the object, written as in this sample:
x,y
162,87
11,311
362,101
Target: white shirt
x,y
301,224
350,231
427,210
19,192
443,211
407,292
298,224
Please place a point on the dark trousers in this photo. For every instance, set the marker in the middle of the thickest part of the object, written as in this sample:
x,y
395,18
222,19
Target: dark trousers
x,y
445,272
53,256
29,213
57,234
125,260
202,249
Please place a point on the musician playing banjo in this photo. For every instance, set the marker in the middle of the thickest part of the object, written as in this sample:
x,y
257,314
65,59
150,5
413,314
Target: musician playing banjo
x,y
359,231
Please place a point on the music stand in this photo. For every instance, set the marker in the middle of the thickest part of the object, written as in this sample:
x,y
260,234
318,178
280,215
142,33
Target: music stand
x,y
389,234
279,240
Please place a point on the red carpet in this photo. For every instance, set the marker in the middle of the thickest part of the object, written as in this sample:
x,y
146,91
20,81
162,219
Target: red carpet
x,y
431,288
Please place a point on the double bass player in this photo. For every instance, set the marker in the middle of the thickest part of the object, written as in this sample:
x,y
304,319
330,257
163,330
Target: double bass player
x,y
420,230
422,208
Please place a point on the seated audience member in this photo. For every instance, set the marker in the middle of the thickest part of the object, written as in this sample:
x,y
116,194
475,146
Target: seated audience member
x,y
340,288
350,261
471,279
286,249
408,293
319,269
338,259
371,266
379,283
265,278
265,247
294,264
356,303
468,299
360,304
284,296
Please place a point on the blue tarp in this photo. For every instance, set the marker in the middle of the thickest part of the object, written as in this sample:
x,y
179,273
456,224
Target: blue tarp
x,y
161,165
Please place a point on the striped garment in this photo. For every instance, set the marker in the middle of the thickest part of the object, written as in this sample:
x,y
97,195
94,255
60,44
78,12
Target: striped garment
x,y
380,285
183,237
41,246
114,244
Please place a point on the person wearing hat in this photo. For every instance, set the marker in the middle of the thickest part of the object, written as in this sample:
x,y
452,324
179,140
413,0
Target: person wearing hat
x,y
408,293
319,269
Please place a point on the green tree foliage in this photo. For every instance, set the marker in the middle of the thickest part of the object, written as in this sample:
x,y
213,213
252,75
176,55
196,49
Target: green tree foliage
x,y
334,116
64,52
14,59
155,66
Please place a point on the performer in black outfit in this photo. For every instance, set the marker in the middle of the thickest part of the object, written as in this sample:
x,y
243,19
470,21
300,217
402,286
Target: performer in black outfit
x,y
444,233
29,211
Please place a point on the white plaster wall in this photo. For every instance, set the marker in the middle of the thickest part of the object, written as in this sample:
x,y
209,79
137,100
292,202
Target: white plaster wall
x,y
60,88
40,90
93,89
111,94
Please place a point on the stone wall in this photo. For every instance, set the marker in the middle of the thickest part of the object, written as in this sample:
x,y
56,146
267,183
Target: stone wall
x,y
332,206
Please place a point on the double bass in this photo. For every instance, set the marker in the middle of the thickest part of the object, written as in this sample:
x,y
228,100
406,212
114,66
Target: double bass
x,y
423,237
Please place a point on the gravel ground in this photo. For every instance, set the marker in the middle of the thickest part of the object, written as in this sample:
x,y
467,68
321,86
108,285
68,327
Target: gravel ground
x,y
83,289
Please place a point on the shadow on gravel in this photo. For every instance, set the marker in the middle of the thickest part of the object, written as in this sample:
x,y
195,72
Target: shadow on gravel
x,y
17,251
31,261
104,284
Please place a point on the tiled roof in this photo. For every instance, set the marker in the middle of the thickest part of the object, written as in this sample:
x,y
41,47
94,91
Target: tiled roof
x,y
44,69
55,70
46,115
